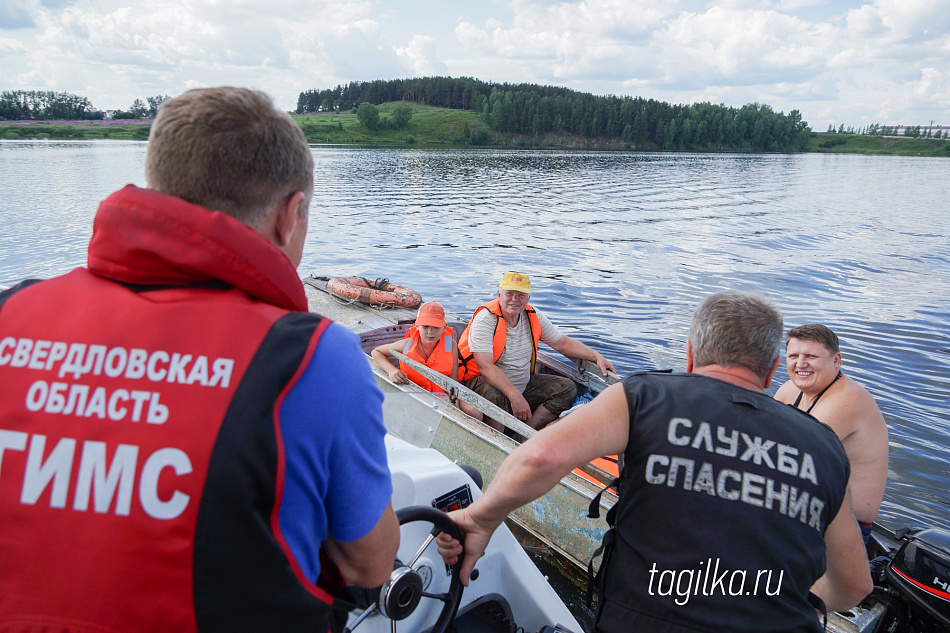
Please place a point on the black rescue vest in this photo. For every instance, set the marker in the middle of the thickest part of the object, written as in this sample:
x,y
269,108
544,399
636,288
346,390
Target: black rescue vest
x,y
724,500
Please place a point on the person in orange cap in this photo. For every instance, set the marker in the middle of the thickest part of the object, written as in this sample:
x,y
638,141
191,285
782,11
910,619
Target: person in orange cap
x,y
429,342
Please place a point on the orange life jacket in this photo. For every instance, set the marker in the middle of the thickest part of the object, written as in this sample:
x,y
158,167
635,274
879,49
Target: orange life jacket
x,y
441,359
608,463
469,368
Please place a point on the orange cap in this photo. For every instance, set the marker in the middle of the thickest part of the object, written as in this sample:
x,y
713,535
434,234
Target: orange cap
x,y
431,313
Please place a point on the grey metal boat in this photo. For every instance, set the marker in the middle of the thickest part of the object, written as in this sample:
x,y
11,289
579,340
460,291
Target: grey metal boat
x,y
559,519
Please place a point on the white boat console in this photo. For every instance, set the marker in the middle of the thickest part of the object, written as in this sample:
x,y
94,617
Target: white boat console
x,y
506,593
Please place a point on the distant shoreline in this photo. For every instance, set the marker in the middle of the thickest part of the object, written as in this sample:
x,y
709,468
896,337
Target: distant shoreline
x,y
342,130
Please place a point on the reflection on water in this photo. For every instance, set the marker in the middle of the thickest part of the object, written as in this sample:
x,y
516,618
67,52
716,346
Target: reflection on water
x,y
620,247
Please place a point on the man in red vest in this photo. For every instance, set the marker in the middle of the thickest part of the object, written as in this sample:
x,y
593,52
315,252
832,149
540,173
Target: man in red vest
x,y
499,350
183,446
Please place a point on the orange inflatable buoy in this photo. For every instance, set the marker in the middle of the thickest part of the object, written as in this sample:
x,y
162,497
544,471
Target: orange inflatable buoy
x,y
374,293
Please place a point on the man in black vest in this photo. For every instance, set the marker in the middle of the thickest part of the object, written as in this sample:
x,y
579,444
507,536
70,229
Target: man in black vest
x,y
732,508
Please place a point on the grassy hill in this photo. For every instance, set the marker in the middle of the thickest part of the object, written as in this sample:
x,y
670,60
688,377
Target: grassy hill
x,y
427,126
432,126
122,129
833,143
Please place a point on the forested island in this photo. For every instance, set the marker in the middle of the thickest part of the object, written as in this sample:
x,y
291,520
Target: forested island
x,y
532,111
445,111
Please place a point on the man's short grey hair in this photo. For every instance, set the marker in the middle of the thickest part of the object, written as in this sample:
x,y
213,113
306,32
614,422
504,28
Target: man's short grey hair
x,y
231,150
737,329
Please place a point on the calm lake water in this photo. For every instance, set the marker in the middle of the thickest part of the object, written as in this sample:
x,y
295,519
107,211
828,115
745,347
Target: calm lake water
x,y
619,246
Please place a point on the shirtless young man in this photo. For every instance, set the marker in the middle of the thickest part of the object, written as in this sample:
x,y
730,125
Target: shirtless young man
x,y
818,387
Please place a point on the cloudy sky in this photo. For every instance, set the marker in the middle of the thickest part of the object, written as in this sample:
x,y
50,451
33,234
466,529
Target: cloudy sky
x,y
837,61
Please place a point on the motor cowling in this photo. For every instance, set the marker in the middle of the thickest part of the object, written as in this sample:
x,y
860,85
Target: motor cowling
x,y
920,571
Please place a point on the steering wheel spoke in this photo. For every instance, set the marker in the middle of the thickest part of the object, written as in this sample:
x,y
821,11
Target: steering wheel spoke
x,y
425,544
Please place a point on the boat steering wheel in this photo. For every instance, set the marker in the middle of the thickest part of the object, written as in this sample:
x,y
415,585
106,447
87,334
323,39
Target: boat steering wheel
x,y
401,594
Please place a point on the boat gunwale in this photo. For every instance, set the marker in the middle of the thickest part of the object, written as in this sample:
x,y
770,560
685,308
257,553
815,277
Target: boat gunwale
x,y
372,338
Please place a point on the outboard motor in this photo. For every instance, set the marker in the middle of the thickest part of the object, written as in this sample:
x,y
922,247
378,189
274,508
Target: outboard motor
x,y
920,575
911,574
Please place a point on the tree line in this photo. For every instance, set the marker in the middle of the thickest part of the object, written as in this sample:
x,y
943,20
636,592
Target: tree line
x,y
876,129
531,109
38,105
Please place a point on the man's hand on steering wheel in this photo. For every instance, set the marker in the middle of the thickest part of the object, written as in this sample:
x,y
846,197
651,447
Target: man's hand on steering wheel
x,y
476,540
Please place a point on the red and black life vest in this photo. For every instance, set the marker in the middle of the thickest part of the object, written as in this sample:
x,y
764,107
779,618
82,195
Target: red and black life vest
x,y
142,463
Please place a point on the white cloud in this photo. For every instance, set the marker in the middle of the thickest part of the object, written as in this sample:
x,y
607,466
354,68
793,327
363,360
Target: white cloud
x,y
158,48
914,19
728,47
843,60
570,42
793,54
744,5
420,58
11,47
473,37
792,5
866,21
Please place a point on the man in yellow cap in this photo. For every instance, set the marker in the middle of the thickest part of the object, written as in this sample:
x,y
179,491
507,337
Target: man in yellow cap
x,y
499,351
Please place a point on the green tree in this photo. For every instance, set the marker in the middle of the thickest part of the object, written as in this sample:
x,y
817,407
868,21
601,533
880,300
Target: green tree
x,y
461,134
478,135
671,135
627,134
530,109
401,115
368,116
139,109
39,105
154,103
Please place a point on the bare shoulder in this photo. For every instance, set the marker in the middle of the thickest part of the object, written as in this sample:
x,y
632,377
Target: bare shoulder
x,y
858,399
787,392
849,409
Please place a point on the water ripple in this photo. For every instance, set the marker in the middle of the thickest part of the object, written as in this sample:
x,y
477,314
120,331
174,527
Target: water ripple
x,y
620,247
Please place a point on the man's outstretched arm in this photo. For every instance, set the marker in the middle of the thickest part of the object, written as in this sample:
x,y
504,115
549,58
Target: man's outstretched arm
x,y
572,348
600,427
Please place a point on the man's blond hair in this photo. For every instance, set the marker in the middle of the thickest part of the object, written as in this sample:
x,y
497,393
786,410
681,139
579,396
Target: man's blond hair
x,y
815,332
228,149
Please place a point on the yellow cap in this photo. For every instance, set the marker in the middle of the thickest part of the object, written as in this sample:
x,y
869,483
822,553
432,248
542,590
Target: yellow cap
x,y
515,281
